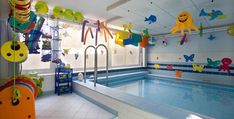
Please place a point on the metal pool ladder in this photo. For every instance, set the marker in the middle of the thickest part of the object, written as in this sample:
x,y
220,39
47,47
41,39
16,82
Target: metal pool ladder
x,y
95,63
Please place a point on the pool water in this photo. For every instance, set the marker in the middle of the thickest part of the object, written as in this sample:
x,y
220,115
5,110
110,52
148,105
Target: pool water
x,y
212,100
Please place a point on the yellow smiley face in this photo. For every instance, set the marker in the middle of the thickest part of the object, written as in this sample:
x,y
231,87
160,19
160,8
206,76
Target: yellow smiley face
x,y
14,51
183,17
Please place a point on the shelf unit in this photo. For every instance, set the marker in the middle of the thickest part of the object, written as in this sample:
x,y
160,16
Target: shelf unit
x,y
63,80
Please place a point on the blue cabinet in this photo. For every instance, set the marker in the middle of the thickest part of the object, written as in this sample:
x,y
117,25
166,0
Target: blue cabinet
x,y
63,80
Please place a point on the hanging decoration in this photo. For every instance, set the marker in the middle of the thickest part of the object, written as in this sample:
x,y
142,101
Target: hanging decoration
x,y
214,14
184,21
151,19
189,57
41,8
145,38
198,68
120,37
135,39
230,30
212,63
225,66
169,67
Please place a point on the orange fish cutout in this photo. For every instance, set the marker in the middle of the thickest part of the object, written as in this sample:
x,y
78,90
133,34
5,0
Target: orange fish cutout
x,y
24,108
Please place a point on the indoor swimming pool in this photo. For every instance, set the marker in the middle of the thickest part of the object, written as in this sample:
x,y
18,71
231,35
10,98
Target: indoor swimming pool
x,y
216,101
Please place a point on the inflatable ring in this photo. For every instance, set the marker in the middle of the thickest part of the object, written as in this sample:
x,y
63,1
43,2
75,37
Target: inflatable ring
x,y
79,17
58,12
68,14
20,7
20,2
23,79
41,8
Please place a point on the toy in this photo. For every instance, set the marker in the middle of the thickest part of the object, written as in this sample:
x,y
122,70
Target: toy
x,y
128,27
46,45
169,67
230,30
184,21
152,41
22,27
201,30
121,36
105,29
211,37
151,19
86,33
214,14
156,66
14,51
144,41
198,68
78,16
146,32
189,58
83,37
23,107
97,30
80,76
58,12
133,40
213,63
225,66
41,8
68,14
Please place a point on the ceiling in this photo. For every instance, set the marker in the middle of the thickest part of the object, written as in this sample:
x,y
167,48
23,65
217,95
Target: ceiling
x,y
135,11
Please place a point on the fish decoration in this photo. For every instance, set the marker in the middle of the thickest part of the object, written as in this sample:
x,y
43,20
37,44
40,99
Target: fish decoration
x,y
212,63
201,30
198,68
214,14
151,19
156,66
211,37
189,58
127,27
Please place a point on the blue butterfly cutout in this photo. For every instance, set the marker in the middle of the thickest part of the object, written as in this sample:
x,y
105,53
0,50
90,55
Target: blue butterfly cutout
x,y
211,37
189,58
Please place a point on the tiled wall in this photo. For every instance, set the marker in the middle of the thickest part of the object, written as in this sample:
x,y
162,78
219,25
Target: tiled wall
x,y
203,48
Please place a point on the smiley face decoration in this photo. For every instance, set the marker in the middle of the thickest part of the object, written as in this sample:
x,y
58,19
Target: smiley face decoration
x,y
14,51
184,21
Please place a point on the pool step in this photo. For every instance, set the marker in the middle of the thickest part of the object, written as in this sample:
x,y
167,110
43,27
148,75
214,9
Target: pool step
x,y
122,77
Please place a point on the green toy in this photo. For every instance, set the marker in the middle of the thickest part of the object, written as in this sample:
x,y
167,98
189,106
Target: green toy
x,y
38,81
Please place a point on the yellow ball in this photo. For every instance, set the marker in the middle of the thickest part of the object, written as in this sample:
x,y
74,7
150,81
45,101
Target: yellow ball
x,y
41,8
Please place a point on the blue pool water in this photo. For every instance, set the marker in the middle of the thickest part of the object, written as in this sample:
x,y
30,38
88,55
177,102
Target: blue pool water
x,y
212,100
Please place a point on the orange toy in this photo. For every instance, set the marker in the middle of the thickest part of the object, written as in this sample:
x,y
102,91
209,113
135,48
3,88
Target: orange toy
x,y
178,73
144,41
24,108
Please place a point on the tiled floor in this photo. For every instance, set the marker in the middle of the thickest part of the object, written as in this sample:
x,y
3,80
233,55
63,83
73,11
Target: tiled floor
x,y
69,106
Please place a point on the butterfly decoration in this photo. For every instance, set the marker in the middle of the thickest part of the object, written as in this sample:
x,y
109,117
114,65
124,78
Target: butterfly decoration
x,y
65,51
156,66
165,41
211,63
189,58
169,67
178,73
211,37
76,55
198,68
